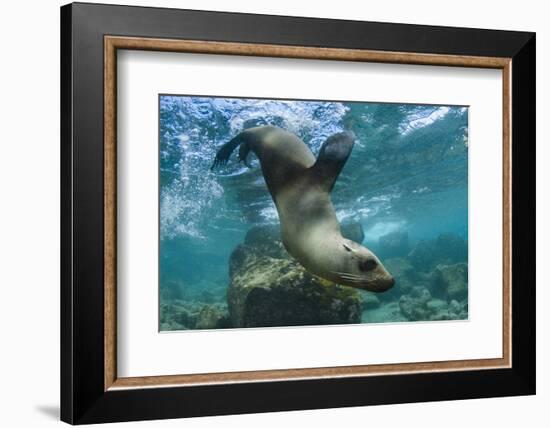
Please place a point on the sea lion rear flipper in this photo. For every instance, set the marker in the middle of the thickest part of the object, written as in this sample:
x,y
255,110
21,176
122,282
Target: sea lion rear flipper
x,y
332,157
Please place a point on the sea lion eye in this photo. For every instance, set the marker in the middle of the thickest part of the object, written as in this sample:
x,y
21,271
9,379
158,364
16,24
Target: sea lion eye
x,y
347,247
367,265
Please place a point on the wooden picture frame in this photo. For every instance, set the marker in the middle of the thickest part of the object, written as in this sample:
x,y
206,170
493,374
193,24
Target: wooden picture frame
x,y
91,390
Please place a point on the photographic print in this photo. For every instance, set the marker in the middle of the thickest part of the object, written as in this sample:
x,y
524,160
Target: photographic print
x,y
279,212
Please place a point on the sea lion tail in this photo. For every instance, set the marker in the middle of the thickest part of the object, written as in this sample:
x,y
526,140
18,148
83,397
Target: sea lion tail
x,y
332,157
222,156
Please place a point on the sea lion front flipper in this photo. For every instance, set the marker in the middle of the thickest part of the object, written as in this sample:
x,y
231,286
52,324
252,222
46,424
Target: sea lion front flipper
x,y
222,156
332,157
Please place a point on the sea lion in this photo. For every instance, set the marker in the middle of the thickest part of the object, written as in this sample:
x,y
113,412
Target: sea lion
x,y
300,186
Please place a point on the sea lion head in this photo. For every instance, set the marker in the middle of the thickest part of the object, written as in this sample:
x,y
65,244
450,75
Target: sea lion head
x,y
360,268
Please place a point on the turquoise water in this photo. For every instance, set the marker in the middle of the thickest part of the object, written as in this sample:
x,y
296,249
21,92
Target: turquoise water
x,y
405,184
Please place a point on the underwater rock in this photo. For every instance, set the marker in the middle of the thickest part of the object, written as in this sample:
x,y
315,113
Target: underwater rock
x,y
193,315
184,317
353,232
266,240
419,305
370,300
436,307
414,306
455,307
277,291
406,277
443,311
394,244
386,312
446,249
450,282
212,316
176,316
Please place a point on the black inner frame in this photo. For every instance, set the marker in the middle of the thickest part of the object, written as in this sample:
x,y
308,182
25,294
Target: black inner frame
x,y
83,399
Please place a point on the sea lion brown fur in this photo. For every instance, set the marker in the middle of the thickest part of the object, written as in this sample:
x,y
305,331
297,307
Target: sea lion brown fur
x,y
300,186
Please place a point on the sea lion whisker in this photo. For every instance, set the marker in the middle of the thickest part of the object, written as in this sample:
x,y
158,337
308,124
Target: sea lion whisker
x,y
346,274
352,281
350,277
353,277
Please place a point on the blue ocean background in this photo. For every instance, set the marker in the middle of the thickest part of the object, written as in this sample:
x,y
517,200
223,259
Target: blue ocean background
x,y
405,184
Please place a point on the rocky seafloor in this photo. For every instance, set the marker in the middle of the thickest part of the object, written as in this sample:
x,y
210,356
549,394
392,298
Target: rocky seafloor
x,y
268,288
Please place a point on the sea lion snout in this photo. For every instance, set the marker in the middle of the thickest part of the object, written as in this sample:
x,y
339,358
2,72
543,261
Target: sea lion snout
x,y
384,280
379,284
376,285
384,285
